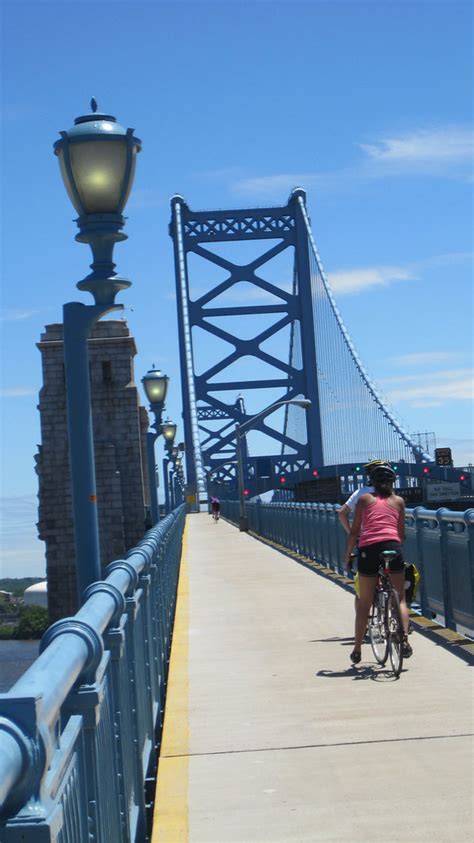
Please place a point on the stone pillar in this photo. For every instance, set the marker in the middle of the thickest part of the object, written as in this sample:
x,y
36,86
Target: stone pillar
x,y
119,428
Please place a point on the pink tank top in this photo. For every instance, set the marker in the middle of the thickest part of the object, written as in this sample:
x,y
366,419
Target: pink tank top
x,y
379,523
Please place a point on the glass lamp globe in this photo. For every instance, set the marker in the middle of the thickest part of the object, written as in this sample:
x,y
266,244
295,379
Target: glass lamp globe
x,y
156,386
168,430
97,161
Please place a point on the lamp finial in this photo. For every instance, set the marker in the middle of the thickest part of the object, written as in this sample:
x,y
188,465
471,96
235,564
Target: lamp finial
x,y
94,104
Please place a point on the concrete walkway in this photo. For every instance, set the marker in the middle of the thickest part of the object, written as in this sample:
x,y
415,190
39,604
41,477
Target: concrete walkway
x,y
272,737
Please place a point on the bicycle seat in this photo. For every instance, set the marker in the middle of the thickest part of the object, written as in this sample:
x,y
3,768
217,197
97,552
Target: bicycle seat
x,y
388,553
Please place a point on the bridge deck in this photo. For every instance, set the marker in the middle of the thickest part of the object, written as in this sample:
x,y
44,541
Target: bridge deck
x,y
271,736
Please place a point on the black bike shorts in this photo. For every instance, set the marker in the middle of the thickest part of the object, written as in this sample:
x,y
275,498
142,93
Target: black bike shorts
x,y
368,558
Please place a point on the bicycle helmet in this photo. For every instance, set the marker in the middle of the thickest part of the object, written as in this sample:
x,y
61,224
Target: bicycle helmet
x,y
383,471
369,466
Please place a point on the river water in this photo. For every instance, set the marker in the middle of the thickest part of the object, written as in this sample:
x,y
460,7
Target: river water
x,y
15,658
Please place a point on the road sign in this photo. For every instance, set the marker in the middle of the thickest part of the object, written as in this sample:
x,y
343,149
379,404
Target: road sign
x,y
443,456
323,490
443,491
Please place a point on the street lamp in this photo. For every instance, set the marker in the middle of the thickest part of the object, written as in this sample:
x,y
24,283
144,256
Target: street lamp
x,y
97,162
168,429
156,388
240,432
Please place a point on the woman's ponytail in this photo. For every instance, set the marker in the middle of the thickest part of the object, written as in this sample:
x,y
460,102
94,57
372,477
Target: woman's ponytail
x,y
383,488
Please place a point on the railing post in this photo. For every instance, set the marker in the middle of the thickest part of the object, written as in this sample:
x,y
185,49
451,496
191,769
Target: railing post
x,y
421,560
94,703
301,514
469,521
341,541
448,608
114,640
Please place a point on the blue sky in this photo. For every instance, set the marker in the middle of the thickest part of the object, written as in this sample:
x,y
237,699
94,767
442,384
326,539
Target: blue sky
x,y
368,105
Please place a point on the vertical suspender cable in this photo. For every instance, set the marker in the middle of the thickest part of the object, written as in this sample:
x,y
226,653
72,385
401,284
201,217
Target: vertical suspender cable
x,y
198,463
415,449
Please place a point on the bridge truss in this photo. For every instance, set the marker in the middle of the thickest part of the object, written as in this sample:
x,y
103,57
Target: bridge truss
x,y
299,348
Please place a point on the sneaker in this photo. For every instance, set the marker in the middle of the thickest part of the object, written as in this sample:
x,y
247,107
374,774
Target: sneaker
x,y
355,656
407,650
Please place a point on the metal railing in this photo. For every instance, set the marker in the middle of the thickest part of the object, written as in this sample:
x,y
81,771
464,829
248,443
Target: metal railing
x,y
80,730
440,543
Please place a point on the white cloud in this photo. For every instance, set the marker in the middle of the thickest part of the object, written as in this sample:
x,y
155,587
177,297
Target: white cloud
x,y
463,449
25,561
439,387
17,315
441,152
278,184
424,403
281,185
346,282
451,144
425,358
438,375
17,392
21,552
349,281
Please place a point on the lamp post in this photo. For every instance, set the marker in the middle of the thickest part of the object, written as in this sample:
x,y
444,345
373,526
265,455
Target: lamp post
x,y
168,429
175,463
97,162
240,432
156,388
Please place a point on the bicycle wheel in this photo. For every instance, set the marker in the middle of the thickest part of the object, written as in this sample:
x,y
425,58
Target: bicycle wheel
x,y
378,632
395,633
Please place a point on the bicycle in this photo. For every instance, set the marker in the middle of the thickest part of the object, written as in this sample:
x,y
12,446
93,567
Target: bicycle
x,y
385,621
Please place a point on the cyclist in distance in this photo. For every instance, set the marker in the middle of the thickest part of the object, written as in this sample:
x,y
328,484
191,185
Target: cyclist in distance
x,y
215,508
379,524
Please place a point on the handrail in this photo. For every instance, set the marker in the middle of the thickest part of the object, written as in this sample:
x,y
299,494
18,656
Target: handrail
x,y
440,542
72,657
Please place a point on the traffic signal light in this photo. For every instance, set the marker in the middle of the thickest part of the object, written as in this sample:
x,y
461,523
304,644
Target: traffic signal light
x,y
395,467
315,472
357,469
246,491
462,477
426,470
282,479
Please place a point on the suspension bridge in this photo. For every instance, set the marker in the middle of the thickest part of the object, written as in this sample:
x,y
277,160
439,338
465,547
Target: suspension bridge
x,y
252,282
224,708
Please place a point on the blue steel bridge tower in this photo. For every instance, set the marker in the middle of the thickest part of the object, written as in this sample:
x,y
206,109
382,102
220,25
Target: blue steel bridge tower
x,y
270,309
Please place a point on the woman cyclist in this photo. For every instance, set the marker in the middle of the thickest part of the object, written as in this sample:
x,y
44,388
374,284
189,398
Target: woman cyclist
x,y
379,522
215,508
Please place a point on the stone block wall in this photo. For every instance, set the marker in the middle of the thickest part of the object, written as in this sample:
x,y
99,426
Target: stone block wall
x,y
120,425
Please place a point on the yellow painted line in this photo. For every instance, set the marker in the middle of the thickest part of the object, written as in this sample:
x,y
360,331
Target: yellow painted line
x,y
170,815
451,635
